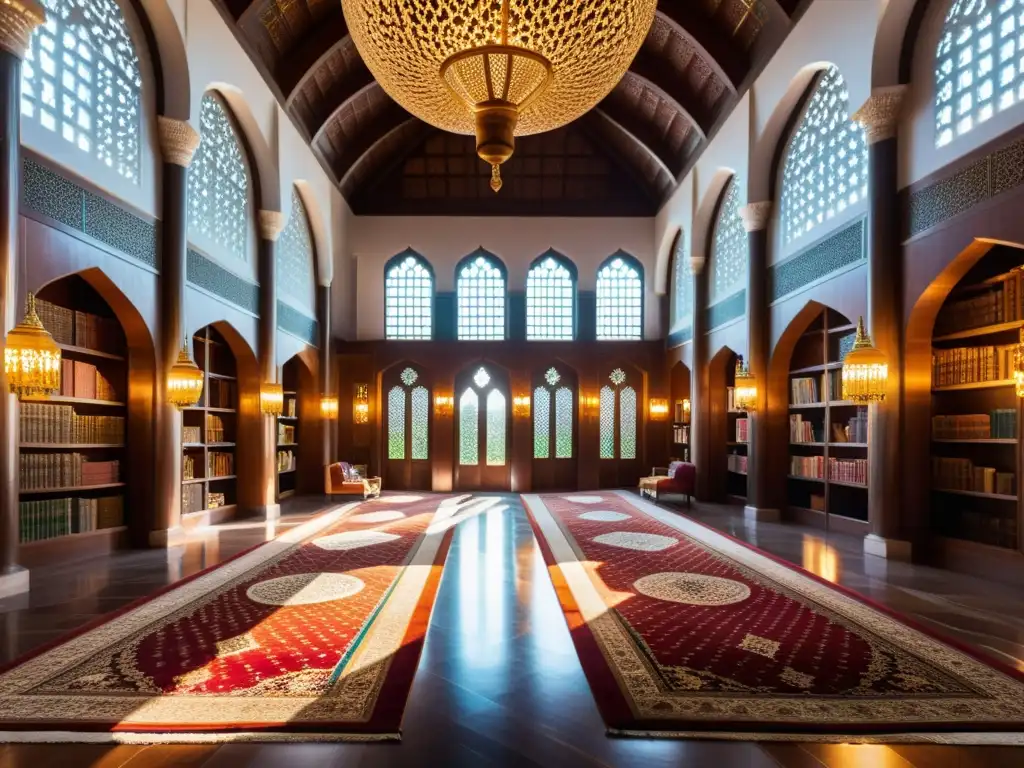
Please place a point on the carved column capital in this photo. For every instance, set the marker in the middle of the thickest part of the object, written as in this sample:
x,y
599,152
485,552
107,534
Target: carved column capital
x,y
880,114
697,264
18,19
178,140
271,223
755,216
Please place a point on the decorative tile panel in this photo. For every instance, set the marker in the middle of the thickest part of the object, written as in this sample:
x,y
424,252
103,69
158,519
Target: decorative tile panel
x,y
946,198
297,324
115,226
202,272
845,247
727,310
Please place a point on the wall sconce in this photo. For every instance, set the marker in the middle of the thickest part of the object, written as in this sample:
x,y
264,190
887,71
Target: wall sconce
x,y
271,398
444,405
361,404
591,404
521,406
658,408
686,410
328,407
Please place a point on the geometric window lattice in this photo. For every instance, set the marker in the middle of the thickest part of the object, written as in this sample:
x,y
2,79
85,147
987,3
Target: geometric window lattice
x,y
620,288
295,256
481,378
469,446
617,377
978,70
408,300
396,423
81,79
729,251
825,168
481,296
495,429
541,423
552,376
550,302
607,437
218,182
681,297
563,423
420,423
409,377
627,423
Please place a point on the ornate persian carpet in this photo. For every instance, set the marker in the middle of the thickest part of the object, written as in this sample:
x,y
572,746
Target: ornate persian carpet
x,y
683,631
312,636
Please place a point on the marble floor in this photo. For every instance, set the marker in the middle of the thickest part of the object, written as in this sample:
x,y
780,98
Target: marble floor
x,y
499,683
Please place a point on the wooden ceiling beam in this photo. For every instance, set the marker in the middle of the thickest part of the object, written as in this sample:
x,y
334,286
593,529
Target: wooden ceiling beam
x,y
381,124
722,52
653,72
300,63
641,132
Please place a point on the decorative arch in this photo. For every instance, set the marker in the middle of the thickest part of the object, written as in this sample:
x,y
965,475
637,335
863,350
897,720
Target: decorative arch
x,y
729,243
680,285
483,419
321,236
555,393
481,286
406,425
408,297
620,298
170,62
551,285
296,258
704,216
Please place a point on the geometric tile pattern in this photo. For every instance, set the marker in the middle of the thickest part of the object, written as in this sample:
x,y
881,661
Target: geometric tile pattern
x,y
209,275
845,247
727,310
296,323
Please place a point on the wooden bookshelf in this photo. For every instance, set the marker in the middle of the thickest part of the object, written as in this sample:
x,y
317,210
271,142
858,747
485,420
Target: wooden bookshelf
x,y
210,430
287,435
680,426
72,478
827,435
736,445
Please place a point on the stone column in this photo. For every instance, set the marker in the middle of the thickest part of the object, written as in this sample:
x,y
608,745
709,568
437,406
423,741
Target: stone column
x,y
755,218
700,424
178,143
880,117
18,18
325,384
271,223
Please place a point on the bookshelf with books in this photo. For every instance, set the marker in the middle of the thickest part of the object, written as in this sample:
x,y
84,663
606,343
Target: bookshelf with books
x,y
209,431
288,432
975,456
828,441
737,443
679,411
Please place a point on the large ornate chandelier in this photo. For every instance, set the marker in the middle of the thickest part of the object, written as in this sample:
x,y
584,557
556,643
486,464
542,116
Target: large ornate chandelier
x,y
498,68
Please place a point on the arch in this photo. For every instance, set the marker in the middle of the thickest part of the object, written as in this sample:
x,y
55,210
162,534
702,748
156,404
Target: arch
x,y
670,242
705,215
322,262
409,287
482,302
406,425
620,297
483,420
894,42
680,286
299,376
295,256
551,297
174,95
729,252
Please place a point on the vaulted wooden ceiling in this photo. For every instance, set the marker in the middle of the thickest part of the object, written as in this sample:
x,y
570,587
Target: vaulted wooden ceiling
x,y
698,59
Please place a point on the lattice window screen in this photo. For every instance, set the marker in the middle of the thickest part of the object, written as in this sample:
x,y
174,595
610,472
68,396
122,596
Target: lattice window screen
x,y
396,423
550,302
563,423
496,418
481,296
420,423
627,423
607,435
620,288
409,300
729,254
541,423
469,442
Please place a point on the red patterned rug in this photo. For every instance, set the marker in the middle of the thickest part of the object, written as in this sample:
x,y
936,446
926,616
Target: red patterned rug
x,y
312,636
683,631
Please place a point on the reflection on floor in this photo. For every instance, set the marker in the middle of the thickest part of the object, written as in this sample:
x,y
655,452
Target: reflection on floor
x,y
499,683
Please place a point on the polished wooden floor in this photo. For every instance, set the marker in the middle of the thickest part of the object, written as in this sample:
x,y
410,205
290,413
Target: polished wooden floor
x,y
499,683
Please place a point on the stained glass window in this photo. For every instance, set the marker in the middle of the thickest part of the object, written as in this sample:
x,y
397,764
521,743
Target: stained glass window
x,y
729,250
825,168
294,253
396,423
408,298
627,423
618,415
481,297
469,445
420,423
81,79
978,66
607,438
550,300
481,378
218,182
541,423
681,296
495,429
563,423
620,287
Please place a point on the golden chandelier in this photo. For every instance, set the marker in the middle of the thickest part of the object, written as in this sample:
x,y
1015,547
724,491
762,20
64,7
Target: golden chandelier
x,y
498,68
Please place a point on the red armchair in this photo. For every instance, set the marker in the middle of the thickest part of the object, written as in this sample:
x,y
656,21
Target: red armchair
x,y
681,477
340,479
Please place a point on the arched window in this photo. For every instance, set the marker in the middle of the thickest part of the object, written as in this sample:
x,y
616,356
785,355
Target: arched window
x,y
409,417
495,415
481,296
81,79
553,407
620,298
729,250
551,299
618,419
825,167
408,298
977,65
295,257
681,296
218,182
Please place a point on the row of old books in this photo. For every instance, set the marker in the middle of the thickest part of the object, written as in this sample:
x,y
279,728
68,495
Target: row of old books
x,y
968,365
285,461
285,433
681,435
221,393
998,424
62,425
680,415
979,525
954,474
191,498
807,466
191,435
804,390
999,304
732,399
848,470
80,329
215,432
289,407
742,430
835,385
78,379
188,467
41,471
855,431
50,518
737,463
801,431
219,463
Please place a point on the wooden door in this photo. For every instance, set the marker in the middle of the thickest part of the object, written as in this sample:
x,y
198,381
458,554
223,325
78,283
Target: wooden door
x,y
482,438
555,394
620,429
406,430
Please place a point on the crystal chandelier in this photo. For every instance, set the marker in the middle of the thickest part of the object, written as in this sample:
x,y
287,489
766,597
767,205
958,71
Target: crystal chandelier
x,y
498,68
745,388
31,357
865,370
184,381
271,398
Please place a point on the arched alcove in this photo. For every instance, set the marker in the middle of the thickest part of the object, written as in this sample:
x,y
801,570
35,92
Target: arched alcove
x,y
406,425
298,428
483,427
726,454
679,411
554,393
622,421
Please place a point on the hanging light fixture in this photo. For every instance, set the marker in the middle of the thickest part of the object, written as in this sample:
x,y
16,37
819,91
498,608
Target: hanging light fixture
x,y
444,405
271,398
658,408
865,370
1018,365
184,381
361,404
744,388
31,357
498,68
521,406
686,410
328,407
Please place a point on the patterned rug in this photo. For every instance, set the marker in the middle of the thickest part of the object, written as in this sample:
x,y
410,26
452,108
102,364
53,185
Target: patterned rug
x,y
683,631
312,636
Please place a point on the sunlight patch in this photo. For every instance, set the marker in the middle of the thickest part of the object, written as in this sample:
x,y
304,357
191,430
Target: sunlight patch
x,y
399,499
384,516
641,542
584,499
604,516
342,542
305,589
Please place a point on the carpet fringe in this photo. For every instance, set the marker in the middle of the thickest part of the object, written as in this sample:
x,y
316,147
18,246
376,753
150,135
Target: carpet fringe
x,y
964,739
141,739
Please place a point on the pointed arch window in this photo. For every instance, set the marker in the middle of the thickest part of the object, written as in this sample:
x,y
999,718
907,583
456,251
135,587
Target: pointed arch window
x,y
482,398
81,79
729,251
978,69
551,299
408,298
825,166
618,417
620,298
218,182
481,297
295,257
553,414
681,296
409,418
